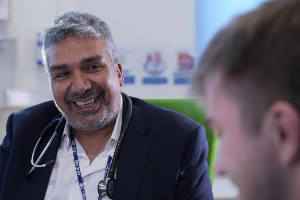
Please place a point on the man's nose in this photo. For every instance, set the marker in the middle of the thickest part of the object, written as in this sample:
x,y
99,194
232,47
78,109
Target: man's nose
x,y
80,83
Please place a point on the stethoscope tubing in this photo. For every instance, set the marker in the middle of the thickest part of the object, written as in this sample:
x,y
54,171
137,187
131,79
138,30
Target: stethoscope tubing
x,y
36,164
124,127
106,186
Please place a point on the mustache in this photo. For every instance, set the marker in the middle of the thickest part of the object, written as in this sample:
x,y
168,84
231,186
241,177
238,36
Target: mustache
x,y
75,96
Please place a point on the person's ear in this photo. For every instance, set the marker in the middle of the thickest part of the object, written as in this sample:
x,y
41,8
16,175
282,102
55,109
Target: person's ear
x,y
120,74
285,121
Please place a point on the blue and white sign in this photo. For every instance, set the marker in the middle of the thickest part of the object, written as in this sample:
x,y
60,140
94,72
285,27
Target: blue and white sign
x,y
155,67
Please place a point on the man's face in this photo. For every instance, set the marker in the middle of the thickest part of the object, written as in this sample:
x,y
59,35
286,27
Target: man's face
x,y
247,157
84,82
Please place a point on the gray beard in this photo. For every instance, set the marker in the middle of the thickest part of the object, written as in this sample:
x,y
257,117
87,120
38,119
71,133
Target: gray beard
x,y
107,117
103,121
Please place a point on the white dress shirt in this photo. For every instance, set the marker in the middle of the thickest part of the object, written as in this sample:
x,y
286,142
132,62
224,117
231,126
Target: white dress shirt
x,y
63,184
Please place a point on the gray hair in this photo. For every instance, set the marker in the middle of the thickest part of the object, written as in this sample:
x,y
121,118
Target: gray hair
x,y
80,25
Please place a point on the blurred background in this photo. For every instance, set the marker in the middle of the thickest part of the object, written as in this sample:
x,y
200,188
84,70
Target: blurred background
x,y
158,42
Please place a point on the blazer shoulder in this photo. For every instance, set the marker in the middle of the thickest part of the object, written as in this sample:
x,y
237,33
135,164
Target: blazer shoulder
x,y
157,115
38,114
45,108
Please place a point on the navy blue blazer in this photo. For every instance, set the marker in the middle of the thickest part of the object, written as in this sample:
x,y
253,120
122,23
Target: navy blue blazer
x,y
163,155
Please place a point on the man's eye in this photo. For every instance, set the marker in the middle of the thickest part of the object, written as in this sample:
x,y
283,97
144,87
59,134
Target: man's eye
x,y
94,67
60,75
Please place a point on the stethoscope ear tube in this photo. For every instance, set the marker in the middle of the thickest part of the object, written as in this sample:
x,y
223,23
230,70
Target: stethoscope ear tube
x,y
35,164
49,126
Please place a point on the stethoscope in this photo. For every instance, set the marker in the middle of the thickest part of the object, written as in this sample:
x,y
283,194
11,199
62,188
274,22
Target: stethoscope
x,y
105,186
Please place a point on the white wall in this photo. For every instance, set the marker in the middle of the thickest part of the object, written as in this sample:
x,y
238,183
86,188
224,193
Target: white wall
x,y
8,45
132,22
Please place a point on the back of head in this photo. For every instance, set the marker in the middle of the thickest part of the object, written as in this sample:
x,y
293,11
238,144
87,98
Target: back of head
x,y
79,25
258,57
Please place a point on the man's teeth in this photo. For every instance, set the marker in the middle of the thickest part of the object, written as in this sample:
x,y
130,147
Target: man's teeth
x,y
86,103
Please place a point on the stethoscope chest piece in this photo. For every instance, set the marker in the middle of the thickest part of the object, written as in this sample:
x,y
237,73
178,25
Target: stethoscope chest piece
x,y
107,188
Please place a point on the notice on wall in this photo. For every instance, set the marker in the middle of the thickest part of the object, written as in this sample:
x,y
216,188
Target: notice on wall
x,y
4,10
184,67
156,65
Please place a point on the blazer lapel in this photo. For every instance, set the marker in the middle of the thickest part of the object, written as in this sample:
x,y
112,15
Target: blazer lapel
x,y
133,156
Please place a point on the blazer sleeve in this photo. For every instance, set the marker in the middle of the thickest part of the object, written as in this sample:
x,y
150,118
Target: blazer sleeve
x,y
5,148
194,181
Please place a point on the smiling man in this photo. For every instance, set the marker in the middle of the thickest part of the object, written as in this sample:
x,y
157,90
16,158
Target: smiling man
x,y
92,141
249,77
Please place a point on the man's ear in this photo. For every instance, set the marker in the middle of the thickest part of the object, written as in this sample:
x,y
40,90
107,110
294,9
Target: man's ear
x,y
120,74
284,123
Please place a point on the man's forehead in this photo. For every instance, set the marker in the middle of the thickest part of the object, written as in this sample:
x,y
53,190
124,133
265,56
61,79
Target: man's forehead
x,y
213,87
219,102
211,96
217,86
77,40
77,44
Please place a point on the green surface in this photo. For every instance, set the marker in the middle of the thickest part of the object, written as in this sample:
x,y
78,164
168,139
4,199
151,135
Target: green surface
x,y
191,109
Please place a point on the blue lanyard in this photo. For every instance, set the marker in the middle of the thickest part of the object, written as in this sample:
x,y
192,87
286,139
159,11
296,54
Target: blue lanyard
x,y
77,168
